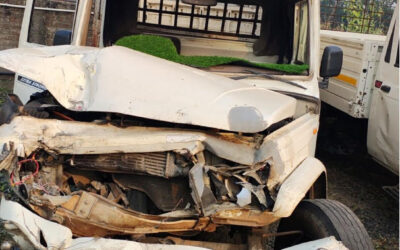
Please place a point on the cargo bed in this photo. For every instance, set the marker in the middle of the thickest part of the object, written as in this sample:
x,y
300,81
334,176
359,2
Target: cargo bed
x,y
351,91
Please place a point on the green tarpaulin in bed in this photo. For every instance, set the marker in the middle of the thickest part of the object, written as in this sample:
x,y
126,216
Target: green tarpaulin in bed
x,y
164,48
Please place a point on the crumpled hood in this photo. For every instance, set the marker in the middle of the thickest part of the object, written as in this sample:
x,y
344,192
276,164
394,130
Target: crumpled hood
x,y
121,80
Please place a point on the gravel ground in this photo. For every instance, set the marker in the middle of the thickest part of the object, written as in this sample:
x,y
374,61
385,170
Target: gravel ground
x,y
354,178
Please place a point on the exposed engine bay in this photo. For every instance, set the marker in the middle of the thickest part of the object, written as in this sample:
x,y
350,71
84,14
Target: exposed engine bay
x,y
107,174
95,160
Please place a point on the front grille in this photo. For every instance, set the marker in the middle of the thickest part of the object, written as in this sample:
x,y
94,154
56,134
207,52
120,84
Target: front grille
x,y
149,163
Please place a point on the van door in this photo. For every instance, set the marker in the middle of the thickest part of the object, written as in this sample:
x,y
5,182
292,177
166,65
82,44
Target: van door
x,y
383,124
42,18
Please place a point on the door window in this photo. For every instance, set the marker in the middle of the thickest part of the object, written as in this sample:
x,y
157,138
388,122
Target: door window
x,y
389,47
47,17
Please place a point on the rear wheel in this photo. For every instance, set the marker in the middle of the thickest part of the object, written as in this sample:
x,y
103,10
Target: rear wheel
x,y
317,219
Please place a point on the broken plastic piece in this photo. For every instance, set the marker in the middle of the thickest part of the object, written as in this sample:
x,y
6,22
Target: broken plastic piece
x,y
201,193
243,197
258,191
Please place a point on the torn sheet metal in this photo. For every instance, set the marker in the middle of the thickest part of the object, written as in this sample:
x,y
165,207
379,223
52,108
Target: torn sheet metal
x,y
31,231
287,147
88,214
282,147
79,78
295,187
33,227
79,138
201,190
103,208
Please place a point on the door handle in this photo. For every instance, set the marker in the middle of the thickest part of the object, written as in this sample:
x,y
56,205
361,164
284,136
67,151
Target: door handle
x,y
385,88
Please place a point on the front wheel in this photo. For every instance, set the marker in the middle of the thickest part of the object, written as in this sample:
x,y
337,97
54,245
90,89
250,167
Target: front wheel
x,y
320,218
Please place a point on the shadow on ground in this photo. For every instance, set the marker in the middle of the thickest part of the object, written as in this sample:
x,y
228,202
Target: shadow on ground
x,y
355,179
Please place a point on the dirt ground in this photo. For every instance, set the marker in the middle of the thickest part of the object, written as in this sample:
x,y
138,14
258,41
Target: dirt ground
x,y
354,178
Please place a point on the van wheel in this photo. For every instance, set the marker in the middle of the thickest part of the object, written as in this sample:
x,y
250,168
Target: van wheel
x,y
320,218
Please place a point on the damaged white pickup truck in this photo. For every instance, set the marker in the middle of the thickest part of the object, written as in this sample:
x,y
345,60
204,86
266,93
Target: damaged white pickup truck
x,y
125,145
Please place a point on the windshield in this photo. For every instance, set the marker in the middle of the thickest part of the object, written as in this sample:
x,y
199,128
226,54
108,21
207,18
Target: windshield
x,y
232,35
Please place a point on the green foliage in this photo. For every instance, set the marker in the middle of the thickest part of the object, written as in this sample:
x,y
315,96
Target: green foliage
x,y
363,16
164,48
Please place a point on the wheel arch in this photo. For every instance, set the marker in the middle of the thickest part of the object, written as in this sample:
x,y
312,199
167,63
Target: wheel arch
x,y
319,189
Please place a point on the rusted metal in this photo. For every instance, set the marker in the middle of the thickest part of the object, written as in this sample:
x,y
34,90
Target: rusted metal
x,y
244,217
88,214
282,233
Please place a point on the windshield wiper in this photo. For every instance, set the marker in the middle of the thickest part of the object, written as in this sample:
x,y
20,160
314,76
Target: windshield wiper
x,y
268,76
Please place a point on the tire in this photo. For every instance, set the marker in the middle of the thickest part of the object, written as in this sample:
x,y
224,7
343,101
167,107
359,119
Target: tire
x,y
322,218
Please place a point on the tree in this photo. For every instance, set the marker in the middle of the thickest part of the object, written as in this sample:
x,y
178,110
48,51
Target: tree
x,y
363,16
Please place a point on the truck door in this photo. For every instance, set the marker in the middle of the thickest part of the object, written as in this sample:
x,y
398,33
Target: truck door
x,y
42,19
383,124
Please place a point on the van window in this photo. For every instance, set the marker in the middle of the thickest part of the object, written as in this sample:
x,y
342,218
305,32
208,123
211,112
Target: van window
x,y
47,17
389,47
300,49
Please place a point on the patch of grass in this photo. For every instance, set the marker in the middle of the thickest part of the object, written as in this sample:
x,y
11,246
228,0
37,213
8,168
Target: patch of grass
x,y
164,48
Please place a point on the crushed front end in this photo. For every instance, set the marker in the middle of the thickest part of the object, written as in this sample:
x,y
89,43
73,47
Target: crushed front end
x,y
83,156
104,180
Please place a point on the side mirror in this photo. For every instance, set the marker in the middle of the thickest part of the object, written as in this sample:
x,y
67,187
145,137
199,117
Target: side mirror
x,y
331,64
62,37
201,2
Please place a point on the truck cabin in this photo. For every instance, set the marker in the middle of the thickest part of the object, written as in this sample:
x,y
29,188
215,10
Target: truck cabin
x,y
257,31
254,34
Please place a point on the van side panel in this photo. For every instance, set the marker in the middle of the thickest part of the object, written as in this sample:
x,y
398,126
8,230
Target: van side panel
x,y
351,91
383,124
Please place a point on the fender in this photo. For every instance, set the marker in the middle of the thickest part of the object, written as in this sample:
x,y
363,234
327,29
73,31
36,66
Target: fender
x,y
295,187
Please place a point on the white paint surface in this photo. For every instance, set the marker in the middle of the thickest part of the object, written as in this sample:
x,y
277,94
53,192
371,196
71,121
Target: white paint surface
x,y
117,79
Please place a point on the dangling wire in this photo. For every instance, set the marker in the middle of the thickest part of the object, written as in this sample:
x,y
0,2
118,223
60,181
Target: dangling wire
x,y
25,178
